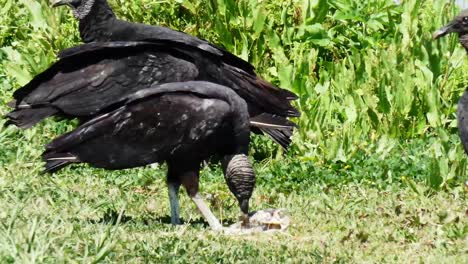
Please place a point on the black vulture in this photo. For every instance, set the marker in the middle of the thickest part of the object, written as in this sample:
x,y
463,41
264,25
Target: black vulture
x,y
89,78
178,123
98,23
459,25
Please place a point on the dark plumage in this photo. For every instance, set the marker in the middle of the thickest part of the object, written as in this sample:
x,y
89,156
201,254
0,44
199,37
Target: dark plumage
x,y
459,25
84,83
179,123
462,117
89,78
98,23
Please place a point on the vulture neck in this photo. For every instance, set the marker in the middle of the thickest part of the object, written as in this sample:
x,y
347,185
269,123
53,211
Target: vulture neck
x,y
94,27
464,41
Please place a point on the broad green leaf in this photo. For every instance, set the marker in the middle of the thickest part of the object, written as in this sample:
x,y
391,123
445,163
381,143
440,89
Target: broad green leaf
x,y
38,20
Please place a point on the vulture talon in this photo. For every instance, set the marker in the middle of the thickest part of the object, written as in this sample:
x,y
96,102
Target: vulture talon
x,y
245,221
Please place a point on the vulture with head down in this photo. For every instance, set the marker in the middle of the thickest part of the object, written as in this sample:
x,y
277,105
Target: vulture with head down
x,y
131,63
459,25
181,124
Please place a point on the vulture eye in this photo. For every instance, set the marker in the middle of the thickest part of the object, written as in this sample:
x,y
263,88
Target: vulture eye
x,y
465,20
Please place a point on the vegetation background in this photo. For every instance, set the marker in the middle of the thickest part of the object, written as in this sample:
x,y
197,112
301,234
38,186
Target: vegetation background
x,y
376,172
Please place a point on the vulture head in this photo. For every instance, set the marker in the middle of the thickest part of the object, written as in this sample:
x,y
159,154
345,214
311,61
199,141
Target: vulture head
x,y
81,8
458,25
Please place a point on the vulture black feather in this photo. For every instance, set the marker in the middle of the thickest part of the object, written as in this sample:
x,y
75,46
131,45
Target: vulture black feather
x,y
181,124
89,78
98,23
459,25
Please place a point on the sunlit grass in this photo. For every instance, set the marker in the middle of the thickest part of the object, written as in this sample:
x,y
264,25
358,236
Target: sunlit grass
x,y
83,218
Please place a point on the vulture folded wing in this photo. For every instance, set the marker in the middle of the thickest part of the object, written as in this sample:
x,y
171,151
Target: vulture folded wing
x,y
91,77
111,47
142,32
148,127
254,90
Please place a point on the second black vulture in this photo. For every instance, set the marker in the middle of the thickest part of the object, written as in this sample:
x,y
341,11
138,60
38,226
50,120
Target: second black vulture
x,y
459,25
98,23
179,123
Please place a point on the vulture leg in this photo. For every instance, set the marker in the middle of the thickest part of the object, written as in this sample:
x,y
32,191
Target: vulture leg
x,y
188,176
206,212
174,202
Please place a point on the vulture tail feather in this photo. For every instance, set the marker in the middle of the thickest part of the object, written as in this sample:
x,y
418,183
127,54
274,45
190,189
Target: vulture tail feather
x,y
26,118
12,104
278,128
270,98
280,136
55,161
265,120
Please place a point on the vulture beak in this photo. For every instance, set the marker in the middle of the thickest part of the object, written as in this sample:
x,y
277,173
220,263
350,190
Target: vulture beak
x,y
444,31
56,3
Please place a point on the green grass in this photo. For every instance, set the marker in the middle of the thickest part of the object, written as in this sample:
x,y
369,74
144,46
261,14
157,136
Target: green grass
x,y
376,172
82,218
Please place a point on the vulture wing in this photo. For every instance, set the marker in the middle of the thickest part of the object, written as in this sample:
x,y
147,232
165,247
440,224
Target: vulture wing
x,y
92,77
153,125
128,31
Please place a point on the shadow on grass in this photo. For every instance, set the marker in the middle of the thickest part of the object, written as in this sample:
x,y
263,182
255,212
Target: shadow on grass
x,y
112,216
